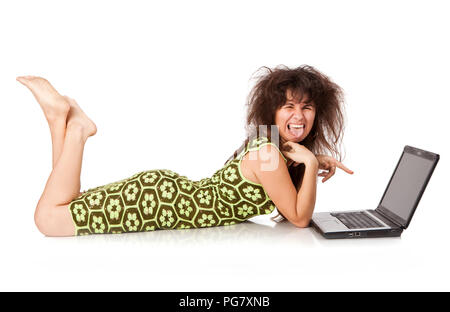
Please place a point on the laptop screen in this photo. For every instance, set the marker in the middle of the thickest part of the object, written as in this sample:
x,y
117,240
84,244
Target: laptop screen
x,y
408,183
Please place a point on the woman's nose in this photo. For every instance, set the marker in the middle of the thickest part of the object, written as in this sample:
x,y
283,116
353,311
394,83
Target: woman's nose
x,y
298,112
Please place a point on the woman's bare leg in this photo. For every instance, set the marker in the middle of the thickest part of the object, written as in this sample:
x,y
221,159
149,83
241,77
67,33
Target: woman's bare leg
x,y
52,215
55,107
63,184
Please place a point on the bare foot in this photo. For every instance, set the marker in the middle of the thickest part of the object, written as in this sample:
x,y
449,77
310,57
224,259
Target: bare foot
x,y
79,121
54,105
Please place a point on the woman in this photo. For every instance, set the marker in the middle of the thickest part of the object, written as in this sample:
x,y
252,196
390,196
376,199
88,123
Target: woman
x,y
303,105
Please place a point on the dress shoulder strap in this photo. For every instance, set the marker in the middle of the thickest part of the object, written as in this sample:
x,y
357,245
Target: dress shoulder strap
x,y
256,143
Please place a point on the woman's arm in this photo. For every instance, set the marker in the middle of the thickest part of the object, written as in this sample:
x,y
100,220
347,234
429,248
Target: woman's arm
x,y
296,206
306,196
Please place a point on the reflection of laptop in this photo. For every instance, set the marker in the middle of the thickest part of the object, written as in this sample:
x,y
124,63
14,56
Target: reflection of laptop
x,y
397,205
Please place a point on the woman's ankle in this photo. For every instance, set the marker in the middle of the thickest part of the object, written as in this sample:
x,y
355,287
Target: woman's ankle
x,y
76,131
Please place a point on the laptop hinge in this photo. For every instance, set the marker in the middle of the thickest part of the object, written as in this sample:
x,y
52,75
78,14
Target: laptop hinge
x,y
387,217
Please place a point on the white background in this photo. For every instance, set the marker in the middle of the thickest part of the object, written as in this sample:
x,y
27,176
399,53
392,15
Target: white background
x,y
166,83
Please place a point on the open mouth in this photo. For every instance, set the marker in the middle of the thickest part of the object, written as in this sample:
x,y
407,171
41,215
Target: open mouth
x,y
296,129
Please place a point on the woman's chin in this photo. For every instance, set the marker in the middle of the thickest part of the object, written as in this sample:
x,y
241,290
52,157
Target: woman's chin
x,y
296,139
293,138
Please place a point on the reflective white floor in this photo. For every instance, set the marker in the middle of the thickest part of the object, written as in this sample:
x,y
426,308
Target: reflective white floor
x,y
251,256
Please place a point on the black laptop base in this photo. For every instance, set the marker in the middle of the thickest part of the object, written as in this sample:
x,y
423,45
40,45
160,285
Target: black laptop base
x,y
392,232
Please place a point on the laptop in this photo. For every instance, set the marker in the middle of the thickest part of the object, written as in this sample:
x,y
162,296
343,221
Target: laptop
x,y
396,207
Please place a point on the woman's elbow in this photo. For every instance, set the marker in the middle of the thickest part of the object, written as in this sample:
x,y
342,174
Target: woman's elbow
x,y
302,223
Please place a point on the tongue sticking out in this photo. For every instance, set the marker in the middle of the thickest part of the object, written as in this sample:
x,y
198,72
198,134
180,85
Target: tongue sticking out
x,y
296,132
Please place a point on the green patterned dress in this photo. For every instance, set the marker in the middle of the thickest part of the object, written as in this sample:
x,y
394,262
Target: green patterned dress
x,y
162,199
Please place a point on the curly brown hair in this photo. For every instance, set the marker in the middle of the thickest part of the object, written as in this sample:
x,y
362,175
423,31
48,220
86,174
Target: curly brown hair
x,y
269,94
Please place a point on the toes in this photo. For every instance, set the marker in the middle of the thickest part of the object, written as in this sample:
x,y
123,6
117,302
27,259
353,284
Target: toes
x,y
30,81
23,80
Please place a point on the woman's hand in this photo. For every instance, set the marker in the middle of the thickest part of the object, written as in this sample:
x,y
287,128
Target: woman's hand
x,y
326,163
329,164
301,155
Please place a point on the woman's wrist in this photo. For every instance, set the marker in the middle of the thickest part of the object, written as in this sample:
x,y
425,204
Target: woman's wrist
x,y
312,163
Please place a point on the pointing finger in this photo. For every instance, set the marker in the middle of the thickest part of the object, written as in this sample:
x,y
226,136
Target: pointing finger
x,y
340,165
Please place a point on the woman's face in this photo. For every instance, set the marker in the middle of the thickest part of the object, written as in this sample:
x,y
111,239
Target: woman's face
x,y
295,119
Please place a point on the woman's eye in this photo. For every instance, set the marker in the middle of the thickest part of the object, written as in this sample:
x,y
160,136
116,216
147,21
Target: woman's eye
x,y
304,107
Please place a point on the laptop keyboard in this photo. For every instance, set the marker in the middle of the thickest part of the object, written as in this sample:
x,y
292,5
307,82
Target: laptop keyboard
x,y
357,220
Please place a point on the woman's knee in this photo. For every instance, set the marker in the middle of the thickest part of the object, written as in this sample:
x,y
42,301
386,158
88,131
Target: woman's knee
x,y
43,218
53,220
